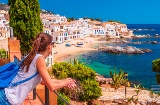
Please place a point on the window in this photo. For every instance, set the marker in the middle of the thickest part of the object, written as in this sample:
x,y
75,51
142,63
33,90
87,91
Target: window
x,y
61,27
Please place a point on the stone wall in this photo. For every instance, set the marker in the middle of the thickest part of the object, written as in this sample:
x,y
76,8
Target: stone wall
x,y
3,61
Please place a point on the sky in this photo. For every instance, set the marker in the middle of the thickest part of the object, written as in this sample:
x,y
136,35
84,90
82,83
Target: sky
x,y
125,11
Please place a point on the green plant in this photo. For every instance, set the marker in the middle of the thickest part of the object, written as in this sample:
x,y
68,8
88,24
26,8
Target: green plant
x,y
87,87
118,79
25,20
156,65
114,21
60,101
158,78
156,68
3,53
137,92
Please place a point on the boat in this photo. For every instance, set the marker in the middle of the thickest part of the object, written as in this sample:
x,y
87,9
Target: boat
x,y
68,45
79,44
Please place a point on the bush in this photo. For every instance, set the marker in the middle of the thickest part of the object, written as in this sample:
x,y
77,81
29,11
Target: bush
x,y
118,79
60,101
3,53
156,65
87,87
156,68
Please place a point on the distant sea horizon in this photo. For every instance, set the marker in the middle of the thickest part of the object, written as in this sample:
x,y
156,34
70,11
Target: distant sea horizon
x,y
138,66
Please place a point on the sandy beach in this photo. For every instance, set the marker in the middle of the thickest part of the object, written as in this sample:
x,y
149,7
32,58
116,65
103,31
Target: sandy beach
x,y
61,51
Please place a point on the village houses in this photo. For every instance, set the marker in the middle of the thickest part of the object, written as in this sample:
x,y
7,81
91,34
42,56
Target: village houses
x,y
64,31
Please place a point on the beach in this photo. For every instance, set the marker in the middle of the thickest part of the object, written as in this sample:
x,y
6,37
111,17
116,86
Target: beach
x,y
61,51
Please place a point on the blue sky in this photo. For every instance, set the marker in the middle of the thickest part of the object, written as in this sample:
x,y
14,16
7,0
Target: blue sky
x,y
126,11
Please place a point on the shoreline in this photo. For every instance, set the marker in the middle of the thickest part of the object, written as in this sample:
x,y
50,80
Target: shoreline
x,y
61,51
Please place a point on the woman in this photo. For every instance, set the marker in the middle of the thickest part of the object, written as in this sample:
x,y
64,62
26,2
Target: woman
x,y
35,61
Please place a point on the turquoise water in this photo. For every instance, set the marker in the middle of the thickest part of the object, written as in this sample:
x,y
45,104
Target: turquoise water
x,y
138,66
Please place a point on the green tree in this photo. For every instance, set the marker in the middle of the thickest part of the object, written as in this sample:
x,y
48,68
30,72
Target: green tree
x,y
156,68
71,19
92,19
25,20
87,87
85,17
98,19
114,21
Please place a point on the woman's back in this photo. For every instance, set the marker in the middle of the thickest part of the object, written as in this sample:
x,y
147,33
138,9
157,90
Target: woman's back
x,y
17,94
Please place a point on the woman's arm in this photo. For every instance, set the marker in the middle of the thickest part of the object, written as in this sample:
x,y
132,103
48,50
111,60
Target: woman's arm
x,y
54,81
51,84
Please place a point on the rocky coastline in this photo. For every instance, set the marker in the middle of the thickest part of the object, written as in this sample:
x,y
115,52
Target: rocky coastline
x,y
110,96
126,49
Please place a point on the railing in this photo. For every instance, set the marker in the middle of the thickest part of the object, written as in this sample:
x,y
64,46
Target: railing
x,y
47,97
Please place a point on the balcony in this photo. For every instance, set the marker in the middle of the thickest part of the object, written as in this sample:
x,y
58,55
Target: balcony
x,y
42,96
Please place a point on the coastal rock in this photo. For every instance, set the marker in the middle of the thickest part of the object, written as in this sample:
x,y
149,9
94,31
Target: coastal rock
x,y
127,49
101,80
154,42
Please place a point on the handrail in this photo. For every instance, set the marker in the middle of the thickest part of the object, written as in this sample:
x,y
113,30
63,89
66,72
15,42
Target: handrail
x,y
47,96
34,96
62,98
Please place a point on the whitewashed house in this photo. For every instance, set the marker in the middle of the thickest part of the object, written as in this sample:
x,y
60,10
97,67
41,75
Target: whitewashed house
x,y
58,19
110,29
96,29
83,26
55,27
60,37
50,59
47,30
123,28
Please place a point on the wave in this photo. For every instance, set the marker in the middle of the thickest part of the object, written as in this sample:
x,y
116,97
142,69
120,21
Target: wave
x,y
142,29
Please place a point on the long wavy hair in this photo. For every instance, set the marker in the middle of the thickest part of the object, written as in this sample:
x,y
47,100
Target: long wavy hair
x,y
40,44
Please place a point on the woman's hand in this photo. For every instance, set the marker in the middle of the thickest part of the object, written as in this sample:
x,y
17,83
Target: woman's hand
x,y
70,83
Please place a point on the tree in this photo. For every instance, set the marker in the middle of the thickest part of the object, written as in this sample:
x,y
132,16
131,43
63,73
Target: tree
x,y
156,68
25,20
71,19
85,17
114,21
92,19
98,19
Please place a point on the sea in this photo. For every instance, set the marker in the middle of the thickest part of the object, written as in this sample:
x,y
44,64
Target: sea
x,y
137,66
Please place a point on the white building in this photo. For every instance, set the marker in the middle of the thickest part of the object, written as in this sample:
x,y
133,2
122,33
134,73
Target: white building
x,y
47,30
123,28
60,37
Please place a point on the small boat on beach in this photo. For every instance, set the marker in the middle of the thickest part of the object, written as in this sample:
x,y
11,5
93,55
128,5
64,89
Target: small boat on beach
x,y
79,44
68,45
